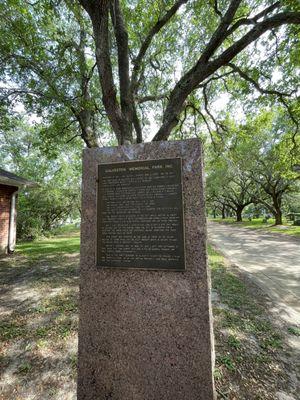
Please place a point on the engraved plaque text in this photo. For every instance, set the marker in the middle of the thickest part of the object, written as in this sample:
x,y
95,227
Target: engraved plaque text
x,y
140,215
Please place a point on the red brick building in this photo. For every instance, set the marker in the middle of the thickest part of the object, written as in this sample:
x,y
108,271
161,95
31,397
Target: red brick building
x,y
10,184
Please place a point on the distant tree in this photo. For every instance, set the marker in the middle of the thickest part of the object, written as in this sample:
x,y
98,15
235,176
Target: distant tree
x,y
273,153
292,202
228,186
57,197
274,181
50,205
256,168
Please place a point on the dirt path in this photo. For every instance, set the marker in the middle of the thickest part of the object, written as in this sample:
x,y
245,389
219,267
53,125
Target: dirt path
x,y
273,261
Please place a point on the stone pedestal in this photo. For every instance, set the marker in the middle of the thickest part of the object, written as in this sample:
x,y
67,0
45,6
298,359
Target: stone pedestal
x,y
146,334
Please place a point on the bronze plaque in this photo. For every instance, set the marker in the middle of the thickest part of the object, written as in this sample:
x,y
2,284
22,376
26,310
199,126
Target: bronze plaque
x,y
140,215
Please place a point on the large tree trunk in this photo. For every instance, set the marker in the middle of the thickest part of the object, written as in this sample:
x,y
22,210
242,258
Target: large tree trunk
x,y
87,132
278,218
99,14
223,212
238,212
277,209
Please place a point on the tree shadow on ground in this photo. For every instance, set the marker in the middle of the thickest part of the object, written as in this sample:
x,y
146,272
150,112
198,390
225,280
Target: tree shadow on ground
x,y
39,323
257,356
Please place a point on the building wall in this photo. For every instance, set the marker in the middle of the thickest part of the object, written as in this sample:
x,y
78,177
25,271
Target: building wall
x,y
5,200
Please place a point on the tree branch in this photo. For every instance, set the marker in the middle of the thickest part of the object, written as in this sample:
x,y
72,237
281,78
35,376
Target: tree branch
x,y
152,98
277,93
253,20
72,138
216,8
147,41
19,91
258,30
137,126
215,78
196,109
203,70
216,123
248,78
220,33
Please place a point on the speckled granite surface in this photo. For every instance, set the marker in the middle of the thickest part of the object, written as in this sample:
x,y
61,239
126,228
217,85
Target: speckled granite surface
x,y
146,335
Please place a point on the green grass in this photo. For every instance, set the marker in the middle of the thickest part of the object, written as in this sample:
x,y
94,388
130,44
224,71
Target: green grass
x,y
294,330
66,241
235,294
11,330
65,230
257,223
229,287
24,368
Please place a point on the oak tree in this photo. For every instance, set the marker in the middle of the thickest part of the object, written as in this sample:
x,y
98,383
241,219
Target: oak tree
x,y
164,60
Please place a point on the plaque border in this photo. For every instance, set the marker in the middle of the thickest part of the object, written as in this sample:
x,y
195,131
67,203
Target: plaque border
x,y
182,216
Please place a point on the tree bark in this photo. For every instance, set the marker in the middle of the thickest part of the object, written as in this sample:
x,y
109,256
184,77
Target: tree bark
x,y
239,211
278,218
223,212
99,14
87,132
86,114
277,209
126,97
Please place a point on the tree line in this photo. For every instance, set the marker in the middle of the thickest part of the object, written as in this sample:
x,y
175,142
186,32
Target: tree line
x,y
56,199
261,170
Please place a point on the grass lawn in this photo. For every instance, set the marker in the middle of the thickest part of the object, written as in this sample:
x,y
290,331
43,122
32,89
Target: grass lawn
x,y
65,240
257,223
39,323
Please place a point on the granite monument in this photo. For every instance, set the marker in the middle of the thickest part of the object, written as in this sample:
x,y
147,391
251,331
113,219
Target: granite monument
x,y
145,330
